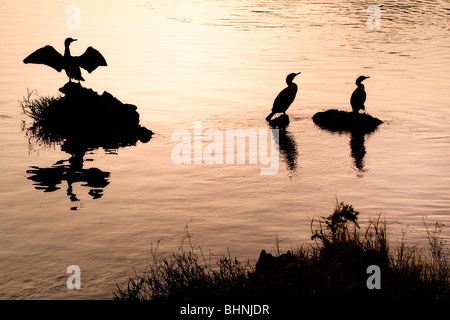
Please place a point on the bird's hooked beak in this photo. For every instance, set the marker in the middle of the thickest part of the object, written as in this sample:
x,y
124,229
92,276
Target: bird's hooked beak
x,y
297,73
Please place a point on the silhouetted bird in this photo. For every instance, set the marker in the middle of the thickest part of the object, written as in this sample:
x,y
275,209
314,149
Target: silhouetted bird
x,y
89,60
359,95
285,97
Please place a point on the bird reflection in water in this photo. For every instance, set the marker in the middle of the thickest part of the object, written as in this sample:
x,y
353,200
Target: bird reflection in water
x,y
72,172
288,149
286,142
358,149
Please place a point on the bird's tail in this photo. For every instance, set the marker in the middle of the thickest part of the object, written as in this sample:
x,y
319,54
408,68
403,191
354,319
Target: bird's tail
x,y
270,116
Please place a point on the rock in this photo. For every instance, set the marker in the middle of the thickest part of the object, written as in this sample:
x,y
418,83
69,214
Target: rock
x,y
280,122
268,265
93,120
336,120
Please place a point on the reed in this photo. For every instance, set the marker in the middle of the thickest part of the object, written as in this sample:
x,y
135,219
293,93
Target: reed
x,y
37,108
186,273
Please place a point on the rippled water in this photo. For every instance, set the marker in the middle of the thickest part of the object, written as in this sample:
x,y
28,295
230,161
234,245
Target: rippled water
x,y
221,63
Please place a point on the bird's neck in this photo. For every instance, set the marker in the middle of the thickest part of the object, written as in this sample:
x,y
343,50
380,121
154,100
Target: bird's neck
x,y
360,85
66,51
291,84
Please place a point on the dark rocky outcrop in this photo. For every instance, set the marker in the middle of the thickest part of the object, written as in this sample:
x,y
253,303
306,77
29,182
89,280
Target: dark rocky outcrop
x,y
337,120
82,116
280,122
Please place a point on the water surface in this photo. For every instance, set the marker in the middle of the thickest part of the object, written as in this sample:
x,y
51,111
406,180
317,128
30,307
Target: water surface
x,y
222,63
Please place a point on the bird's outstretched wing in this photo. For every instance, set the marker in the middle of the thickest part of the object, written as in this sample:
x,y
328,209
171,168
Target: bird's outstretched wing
x,y
91,59
48,56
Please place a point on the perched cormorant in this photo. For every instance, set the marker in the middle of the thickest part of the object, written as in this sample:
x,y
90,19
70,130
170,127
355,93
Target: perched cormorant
x,y
285,97
47,55
359,95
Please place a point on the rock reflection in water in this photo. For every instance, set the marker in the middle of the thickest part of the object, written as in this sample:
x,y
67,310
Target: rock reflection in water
x,y
82,121
356,124
72,172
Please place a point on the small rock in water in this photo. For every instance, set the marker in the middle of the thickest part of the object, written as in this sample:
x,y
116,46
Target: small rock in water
x,y
337,120
280,122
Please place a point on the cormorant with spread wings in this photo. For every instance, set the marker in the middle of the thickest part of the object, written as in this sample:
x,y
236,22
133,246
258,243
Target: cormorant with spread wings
x,y
89,60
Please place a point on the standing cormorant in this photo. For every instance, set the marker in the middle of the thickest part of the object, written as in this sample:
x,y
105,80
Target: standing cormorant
x,y
285,97
359,95
47,55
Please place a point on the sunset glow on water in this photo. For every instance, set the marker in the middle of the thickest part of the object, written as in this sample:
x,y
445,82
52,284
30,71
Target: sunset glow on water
x,y
221,64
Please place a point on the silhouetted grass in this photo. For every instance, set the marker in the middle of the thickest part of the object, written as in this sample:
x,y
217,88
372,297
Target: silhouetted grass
x,y
40,109
334,268
37,108
186,274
